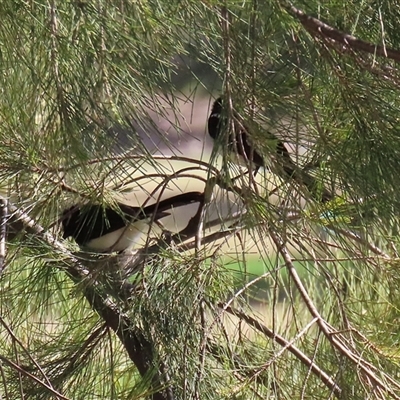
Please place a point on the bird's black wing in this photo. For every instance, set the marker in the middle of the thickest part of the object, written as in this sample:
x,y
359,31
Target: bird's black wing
x,y
161,207
88,222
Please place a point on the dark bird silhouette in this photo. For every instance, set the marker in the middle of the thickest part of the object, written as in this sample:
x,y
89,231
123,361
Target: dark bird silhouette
x,y
103,229
240,143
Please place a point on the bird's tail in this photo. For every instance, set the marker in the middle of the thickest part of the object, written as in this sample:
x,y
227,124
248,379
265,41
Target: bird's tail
x,y
317,190
292,171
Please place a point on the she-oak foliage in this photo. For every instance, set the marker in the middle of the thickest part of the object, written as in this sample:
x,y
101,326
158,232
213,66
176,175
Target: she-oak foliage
x,y
313,312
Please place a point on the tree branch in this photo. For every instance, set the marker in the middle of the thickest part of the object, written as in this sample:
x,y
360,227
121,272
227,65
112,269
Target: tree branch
x,y
325,378
22,371
318,28
139,349
334,337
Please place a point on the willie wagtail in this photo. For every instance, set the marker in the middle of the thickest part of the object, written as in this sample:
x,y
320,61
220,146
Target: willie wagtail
x,y
239,142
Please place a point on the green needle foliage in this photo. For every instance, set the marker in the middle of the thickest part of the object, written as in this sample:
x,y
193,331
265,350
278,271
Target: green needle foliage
x,y
91,90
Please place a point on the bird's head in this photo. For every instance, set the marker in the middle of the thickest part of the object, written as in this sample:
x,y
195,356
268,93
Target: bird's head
x,y
214,120
217,106
71,217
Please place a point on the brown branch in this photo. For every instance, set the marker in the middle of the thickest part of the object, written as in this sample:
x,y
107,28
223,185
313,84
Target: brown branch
x,y
334,337
358,239
22,371
325,378
318,28
25,350
240,365
70,361
139,349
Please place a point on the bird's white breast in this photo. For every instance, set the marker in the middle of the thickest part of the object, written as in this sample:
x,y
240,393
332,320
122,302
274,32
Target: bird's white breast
x,y
120,239
179,217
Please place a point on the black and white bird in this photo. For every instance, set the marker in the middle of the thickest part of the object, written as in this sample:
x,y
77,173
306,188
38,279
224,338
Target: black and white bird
x,y
102,229
240,143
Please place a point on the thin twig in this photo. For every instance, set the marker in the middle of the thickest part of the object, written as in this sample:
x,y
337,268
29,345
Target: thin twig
x,y
284,348
55,64
16,340
5,380
357,238
136,157
323,325
3,232
325,378
22,371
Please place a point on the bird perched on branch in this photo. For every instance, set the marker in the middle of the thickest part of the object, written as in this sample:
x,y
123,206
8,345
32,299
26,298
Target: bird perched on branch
x,y
103,229
240,143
